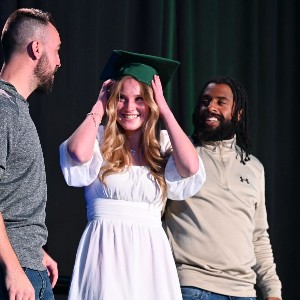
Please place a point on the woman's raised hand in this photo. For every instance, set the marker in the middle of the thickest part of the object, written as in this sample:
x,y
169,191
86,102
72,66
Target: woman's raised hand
x,y
159,95
104,93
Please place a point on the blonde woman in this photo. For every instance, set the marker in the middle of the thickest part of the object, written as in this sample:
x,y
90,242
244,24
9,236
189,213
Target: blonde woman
x,y
128,169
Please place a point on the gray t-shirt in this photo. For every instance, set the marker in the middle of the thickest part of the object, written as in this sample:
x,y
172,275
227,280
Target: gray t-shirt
x,y
23,190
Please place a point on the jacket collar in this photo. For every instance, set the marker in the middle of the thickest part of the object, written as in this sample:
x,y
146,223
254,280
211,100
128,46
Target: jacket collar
x,y
224,146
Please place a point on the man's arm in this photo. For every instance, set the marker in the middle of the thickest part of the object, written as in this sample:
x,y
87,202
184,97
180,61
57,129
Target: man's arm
x,y
265,268
16,281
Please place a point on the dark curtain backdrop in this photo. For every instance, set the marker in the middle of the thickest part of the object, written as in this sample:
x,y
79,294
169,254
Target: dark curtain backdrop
x,y
256,41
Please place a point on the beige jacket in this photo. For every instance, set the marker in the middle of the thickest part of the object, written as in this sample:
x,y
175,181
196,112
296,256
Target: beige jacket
x,y
219,237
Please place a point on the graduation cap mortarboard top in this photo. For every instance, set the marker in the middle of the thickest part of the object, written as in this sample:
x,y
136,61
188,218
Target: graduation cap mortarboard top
x,y
141,66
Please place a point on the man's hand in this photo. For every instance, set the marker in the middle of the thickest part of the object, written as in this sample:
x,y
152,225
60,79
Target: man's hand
x,y
18,285
52,269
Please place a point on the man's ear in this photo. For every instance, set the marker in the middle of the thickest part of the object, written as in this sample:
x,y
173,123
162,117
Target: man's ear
x,y
240,113
35,49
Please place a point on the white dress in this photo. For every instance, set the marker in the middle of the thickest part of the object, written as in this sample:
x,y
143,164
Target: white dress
x,y
124,253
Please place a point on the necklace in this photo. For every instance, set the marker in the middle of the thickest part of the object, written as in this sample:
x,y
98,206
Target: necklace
x,y
137,151
136,156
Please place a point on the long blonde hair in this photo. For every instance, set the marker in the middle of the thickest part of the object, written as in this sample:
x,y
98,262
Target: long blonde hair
x,y
114,150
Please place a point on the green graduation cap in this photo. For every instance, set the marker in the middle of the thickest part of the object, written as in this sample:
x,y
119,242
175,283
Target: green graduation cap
x,y
141,66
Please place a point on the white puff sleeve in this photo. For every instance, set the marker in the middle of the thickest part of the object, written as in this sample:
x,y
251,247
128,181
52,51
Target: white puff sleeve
x,y
179,188
79,175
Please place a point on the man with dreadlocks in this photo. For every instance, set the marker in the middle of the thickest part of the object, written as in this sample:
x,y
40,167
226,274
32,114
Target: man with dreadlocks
x,y
219,236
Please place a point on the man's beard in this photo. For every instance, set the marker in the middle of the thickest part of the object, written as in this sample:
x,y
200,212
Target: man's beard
x,y
44,77
205,133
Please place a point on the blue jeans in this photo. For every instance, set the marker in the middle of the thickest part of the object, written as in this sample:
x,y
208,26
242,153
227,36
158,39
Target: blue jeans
x,y
39,280
193,293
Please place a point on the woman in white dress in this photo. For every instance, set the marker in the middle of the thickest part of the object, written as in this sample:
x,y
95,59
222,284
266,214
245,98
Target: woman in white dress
x,y
128,171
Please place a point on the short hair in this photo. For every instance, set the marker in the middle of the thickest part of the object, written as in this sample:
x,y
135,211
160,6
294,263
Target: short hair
x,y
21,27
240,99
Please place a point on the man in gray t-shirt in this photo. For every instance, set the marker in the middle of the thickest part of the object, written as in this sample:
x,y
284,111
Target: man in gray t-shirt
x,y
30,43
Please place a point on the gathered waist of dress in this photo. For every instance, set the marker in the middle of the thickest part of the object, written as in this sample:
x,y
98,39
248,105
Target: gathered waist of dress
x,y
100,208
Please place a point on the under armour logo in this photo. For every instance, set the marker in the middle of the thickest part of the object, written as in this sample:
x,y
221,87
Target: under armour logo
x,y
244,179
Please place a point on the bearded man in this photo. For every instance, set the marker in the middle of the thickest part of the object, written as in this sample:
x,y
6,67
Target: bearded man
x,y
30,43
219,236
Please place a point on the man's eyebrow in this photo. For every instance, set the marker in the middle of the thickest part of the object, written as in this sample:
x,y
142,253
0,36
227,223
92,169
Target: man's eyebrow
x,y
223,98
218,97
